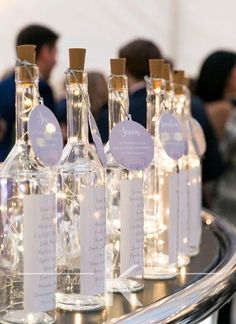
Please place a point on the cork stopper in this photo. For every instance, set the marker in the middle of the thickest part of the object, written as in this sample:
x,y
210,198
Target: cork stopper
x,y
178,77
156,67
179,81
156,71
117,72
76,63
77,58
186,81
27,53
167,75
118,66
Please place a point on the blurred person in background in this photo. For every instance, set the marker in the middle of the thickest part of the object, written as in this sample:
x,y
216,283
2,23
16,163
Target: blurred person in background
x,y
98,95
137,54
217,87
46,51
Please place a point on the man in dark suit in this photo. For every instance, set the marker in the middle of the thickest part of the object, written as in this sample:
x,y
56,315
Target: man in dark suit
x,y
45,41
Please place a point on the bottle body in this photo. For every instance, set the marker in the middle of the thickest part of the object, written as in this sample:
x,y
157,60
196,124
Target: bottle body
x,y
14,191
124,206
125,228
195,204
151,209
194,196
81,214
164,265
27,246
155,99
160,233
184,213
190,222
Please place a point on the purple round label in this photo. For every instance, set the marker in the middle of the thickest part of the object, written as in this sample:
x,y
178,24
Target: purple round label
x,y
97,139
172,136
198,136
131,145
45,135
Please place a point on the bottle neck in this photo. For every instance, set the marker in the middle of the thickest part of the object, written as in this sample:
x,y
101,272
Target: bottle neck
x,y
77,107
118,99
187,108
155,102
181,101
27,95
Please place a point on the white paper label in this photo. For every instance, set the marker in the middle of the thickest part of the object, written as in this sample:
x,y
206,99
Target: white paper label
x,y
195,202
131,238
183,221
39,252
173,217
92,240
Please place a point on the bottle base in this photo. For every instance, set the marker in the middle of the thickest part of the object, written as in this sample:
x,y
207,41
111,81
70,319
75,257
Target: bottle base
x,y
183,260
79,303
23,317
193,252
155,273
121,285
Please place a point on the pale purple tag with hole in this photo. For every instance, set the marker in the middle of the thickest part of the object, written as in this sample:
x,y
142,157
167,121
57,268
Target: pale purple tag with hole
x,y
45,135
198,136
97,139
131,145
172,136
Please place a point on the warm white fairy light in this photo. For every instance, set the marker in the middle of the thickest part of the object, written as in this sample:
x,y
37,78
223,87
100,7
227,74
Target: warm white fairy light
x,y
27,103
50,128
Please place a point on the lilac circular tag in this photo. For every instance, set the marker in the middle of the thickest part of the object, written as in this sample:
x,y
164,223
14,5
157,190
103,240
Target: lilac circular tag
x,y
198,136
131,145
172,136
45,135
97,139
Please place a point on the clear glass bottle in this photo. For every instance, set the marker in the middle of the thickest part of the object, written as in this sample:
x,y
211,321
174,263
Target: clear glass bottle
x,y
191,163
184,211
167,240
22,178
81,206
124,203
155,86
155,104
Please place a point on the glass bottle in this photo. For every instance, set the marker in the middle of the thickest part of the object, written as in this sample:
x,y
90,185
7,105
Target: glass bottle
x,y
184,211
155,100
124,200
192,164
166,255
25,243
155,94
81,204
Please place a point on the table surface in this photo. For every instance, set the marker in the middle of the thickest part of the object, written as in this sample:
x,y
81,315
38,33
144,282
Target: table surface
x,y
207,259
